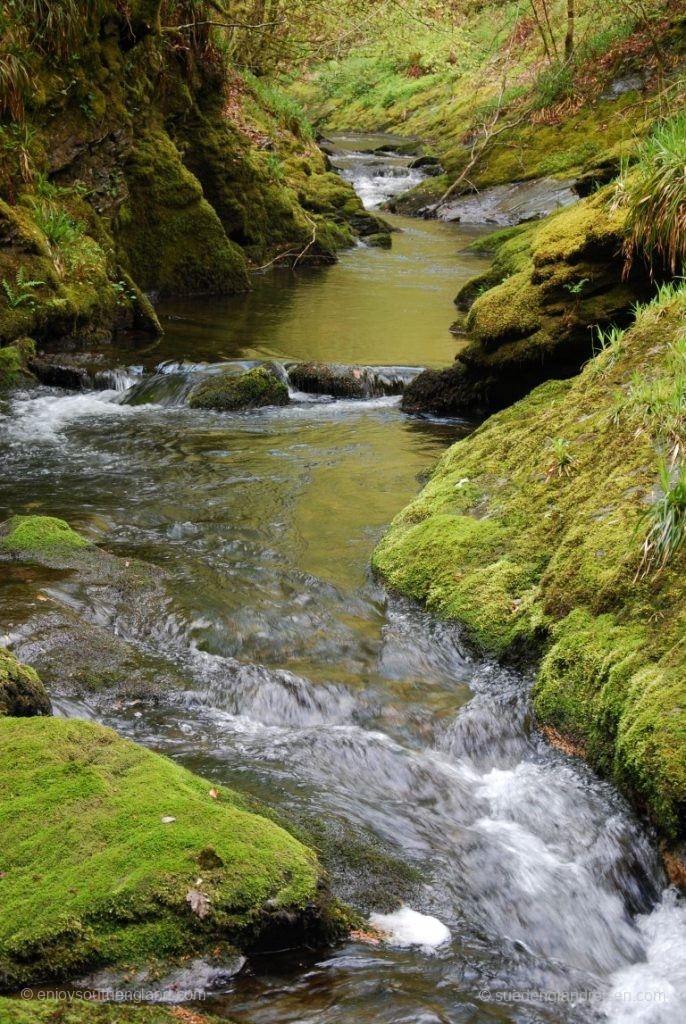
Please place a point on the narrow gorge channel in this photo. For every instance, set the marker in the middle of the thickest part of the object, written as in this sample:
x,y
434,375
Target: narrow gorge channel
x,y
293,677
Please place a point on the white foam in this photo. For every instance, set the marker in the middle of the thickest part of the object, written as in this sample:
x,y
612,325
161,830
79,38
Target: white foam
x,y
407,927
654,991
44,418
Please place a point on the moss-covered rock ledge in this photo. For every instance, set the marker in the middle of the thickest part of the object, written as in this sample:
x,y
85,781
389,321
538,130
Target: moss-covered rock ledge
x,y
533,315
530,533
113,855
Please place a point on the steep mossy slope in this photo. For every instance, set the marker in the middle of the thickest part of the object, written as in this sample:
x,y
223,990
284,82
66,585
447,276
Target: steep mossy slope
x,y
113,855
535,313
134,156
491,92
530,533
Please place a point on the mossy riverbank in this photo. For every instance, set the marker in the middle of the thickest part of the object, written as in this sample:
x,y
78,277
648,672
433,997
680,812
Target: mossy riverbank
x,y
530,533
135,157
487,90
536,312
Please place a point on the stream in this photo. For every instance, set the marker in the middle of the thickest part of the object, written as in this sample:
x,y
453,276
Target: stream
x,y
300,682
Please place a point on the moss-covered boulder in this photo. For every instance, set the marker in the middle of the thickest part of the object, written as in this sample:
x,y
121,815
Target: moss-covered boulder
x,y
530,533
533,316
14,359
114,855
39,538
172,238
22,694
227,392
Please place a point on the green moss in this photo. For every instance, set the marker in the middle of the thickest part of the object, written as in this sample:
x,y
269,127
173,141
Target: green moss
x,y
21,692
13,363
94,874
38,1011
26,536
227,391
533,315
530,559
172,238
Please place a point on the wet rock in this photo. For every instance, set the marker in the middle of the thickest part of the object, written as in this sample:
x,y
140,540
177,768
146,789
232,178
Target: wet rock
x,y
342,381
365,223
424,162
328,379
80,660
379,240
509,204
60,375
22,694
227,392
625,83
40,539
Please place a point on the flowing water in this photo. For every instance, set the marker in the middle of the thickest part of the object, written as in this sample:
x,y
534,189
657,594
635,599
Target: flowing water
x,y
296,679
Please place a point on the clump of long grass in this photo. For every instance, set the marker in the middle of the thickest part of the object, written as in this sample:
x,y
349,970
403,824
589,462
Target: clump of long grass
x,y
666,519
55,223
654,195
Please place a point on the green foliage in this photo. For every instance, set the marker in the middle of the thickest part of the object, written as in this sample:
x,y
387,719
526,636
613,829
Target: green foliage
x,y
666,519
654,193
21,293
607,348
563,462
47,189
526,563
56,224
554,83
286,110
576,287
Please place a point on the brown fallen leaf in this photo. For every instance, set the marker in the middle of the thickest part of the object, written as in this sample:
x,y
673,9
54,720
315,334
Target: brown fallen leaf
x,y
199,902
372,938
187,1016
214,793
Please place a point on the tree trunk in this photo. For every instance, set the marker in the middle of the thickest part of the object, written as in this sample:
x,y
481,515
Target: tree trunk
x,y
569,38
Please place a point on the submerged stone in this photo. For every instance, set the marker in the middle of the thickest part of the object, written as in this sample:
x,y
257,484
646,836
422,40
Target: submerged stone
x,y
99,864
22,694
227,392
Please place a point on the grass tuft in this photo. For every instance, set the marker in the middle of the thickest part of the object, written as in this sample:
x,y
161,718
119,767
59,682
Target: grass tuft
x,y
666,518
655,198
